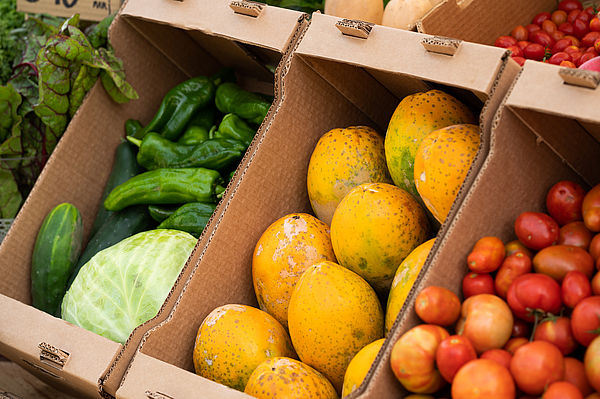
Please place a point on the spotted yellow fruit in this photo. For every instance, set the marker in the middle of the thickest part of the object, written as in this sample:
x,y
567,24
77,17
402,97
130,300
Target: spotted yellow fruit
x,y
342,160
374,228
233,340
282,377
359,366
415,117
403,281
288,247
333,314
441,165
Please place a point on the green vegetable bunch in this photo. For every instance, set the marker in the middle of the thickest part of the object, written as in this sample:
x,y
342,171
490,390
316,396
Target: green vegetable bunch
x,y
55,65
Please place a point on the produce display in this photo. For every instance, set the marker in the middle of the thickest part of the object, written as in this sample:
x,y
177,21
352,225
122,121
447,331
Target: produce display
x,y
155,205
324,280
531,326
47,66
569,37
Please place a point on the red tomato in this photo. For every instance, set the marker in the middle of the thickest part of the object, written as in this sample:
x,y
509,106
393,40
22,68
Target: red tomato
x,y
590,38
476,283
532,28
540,18
575,374
576,57
592,363
556,261
520,329
596,284
595,24
585,320
505,41
513,266
597,46
584,58
566,28
585,17
523,43
536,365
486,321
568,64
516,246
560,45
557,35
515,343
594,247
580,28
564,200
487,255
595,395
533,291
575,41
437,305
542,38
591,50
559,16
500,356
575,234
548,25
591,12
590,209
534,51
515,51
483,379
559,57
413,358
520,33
575,288
569,5
557,332
562,390
519,60
453,353
536,230
572,15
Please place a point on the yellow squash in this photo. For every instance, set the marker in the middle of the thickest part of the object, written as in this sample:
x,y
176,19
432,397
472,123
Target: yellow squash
x,y
288,247
342,160
364,10
441,165
359,366
333,314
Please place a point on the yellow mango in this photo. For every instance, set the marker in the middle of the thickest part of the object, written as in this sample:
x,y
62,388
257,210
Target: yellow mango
x,y
374,228
333,314
342,160
403,281
441,165
288,247
233,340
359,366
282,377
415,117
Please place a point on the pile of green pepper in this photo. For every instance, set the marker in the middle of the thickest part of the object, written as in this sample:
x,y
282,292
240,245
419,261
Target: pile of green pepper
x,y
199,134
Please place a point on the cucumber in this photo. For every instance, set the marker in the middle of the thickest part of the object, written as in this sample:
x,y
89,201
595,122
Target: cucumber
x,y
161,212
56,250
191,218
117,227
125,167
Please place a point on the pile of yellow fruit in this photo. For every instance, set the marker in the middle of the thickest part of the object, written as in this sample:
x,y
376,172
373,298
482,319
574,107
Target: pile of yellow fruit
x,y
319,280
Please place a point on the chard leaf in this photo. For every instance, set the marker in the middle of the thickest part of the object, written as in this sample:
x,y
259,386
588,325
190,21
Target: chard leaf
x,y
9,119
113,77
10,197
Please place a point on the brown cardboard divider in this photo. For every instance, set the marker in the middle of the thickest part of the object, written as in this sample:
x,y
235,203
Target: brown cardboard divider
x,y
481,21
329,81
531,150
157,55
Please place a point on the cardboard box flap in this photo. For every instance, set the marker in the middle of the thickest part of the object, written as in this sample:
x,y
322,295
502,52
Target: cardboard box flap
x,y
541,88
479,21
272,29
473,67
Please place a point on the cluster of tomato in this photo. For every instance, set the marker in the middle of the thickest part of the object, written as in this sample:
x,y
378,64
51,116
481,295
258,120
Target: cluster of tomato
x,y
568,37
530,315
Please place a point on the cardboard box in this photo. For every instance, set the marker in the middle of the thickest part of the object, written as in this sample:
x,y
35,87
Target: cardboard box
x,y
331,80
89,10
161,44
545,132
481,21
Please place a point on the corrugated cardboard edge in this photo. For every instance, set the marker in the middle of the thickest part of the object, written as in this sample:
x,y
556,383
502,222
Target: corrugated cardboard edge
x,y
151,325
501,88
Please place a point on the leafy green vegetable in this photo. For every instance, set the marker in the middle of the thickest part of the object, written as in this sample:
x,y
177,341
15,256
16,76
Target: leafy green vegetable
x,y
9,45
10,197
98,35
125,285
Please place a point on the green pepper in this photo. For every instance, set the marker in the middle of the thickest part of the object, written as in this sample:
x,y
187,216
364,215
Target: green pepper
x,y
167,186
199,126
192,218
224,75
230,98
157,152
179,106
132,126
234,127
162,212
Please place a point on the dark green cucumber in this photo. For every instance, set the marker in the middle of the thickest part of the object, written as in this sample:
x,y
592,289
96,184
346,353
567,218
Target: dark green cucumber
x,y
161,212
117,227
191,218
125,167
56,250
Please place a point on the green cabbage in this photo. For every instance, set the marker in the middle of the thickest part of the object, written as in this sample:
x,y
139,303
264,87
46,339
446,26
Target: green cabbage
x,y
125,285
